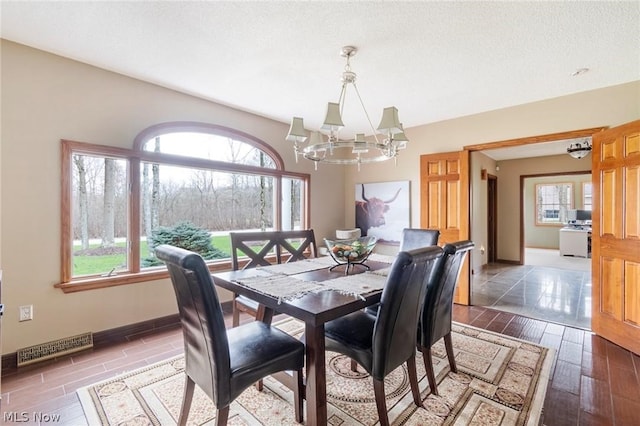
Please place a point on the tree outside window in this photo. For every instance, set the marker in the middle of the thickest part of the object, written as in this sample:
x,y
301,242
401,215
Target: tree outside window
x,y
552,203
180,182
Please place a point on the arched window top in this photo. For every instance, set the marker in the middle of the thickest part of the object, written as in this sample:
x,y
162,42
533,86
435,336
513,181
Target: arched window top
x,y
209,142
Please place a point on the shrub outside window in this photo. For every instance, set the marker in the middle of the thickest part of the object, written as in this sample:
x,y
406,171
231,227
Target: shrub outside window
x,y
183,183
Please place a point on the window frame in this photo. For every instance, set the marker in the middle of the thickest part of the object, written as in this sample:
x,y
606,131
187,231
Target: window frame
x,y
134,158
584,205
536,204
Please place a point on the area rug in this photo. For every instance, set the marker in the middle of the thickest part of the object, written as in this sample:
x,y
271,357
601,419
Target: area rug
x,y
500,381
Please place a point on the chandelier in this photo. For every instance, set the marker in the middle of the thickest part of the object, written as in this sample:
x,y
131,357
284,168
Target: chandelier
x,y
330,148
580,149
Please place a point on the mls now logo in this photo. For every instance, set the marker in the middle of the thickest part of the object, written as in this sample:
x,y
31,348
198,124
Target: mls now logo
x,y
24,416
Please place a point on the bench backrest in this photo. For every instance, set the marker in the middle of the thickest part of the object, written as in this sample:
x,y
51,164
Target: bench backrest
x,y
287,246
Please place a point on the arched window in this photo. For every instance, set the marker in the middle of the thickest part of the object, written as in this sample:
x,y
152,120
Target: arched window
x,y
183,183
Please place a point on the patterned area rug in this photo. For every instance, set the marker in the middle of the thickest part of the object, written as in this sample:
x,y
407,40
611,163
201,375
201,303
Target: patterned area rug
x,y
500,381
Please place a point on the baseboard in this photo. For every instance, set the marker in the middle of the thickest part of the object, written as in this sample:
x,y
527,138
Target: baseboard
x,y
509,262
113,336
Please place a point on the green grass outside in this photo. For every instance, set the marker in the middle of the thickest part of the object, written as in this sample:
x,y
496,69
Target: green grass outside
x,y
91,265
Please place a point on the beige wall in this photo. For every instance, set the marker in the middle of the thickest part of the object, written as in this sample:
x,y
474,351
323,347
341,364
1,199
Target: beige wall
x,y
46,98
509,209
479,203
610,106
547,236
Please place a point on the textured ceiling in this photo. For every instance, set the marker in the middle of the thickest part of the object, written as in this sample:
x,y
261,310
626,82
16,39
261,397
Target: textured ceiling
x,y
432,60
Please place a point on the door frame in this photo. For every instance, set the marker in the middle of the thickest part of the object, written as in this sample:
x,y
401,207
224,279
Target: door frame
x,y
530,140
492,212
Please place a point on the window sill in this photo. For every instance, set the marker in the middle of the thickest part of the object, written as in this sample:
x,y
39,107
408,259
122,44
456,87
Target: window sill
x,y
94,283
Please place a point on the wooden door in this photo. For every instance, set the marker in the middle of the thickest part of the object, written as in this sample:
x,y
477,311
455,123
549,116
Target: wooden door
x,y
616,235
444,204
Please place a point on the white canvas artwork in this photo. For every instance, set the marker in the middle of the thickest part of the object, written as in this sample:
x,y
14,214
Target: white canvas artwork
x,y
382,210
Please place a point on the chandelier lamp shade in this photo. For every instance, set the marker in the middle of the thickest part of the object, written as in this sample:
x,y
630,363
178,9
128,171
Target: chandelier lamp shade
x,y
384,143
579,149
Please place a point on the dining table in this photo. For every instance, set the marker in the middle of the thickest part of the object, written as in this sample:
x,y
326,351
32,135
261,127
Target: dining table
x,y
313,294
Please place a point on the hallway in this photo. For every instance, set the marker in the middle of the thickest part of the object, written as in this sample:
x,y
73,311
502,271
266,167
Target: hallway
x,y
548,287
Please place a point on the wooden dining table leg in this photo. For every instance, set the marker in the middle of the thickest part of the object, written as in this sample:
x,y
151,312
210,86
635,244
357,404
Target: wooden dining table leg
x,y
316,387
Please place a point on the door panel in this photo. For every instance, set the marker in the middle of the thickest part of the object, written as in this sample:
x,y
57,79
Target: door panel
x,y
444,204
616,235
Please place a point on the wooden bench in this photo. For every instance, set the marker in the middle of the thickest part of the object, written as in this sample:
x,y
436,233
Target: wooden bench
x,y
253,249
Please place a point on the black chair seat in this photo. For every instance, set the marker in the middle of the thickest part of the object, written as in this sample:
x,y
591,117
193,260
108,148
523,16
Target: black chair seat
x,y
352,335
257,350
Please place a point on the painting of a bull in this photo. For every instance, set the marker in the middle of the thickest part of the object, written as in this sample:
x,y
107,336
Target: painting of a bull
x,y
382,209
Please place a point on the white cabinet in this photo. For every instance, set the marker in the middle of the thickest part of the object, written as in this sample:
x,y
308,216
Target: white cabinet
x,y
575,242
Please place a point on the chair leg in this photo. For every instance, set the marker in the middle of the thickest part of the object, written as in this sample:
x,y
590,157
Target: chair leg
x,y
428,367
187,397
222,416
413,380
449,346
297,395
235,321
354,366
378,390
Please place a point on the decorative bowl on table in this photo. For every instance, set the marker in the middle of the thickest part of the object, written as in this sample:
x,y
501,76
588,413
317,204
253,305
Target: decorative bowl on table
x,y
351,251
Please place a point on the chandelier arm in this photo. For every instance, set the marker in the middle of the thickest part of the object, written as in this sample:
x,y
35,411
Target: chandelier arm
x,y
373,131
343,96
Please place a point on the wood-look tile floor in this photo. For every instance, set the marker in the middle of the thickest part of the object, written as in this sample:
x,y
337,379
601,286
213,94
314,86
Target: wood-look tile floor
x,y
594,382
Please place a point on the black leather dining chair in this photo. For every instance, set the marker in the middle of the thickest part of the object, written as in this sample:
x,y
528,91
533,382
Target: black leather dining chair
x,y
382,343
436,316
223,363
413,238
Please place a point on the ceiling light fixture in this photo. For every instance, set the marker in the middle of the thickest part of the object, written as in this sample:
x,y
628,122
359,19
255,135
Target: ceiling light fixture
x,y
334,150
580,149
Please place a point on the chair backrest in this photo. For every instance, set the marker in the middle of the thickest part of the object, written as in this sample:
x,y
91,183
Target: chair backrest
x,y
435,321
206,347
413,238
396,324
271,243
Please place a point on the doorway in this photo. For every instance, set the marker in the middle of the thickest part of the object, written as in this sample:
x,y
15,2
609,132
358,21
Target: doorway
x,y
505,280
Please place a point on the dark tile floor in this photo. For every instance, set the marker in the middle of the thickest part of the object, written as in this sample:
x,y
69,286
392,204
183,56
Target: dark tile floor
x,y
551,294
593,381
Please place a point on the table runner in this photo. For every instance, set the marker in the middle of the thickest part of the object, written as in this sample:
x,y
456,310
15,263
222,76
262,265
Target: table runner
x,y
357,285
307,265
281,287
284,287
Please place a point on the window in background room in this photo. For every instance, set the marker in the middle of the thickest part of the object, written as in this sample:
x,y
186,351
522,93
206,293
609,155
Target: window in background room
x,y
552,203
587,195
186,184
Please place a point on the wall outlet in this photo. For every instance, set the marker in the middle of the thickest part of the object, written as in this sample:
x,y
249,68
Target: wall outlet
x,y
26,313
